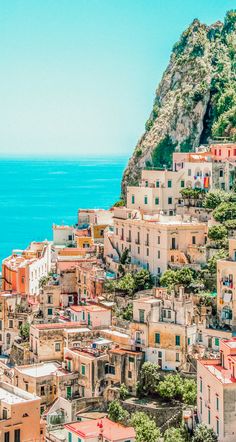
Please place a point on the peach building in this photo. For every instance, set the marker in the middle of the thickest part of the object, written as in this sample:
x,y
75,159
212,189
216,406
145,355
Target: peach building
x,y
93,315
157,241
98,430
216,391
21,272
20,415
90,280
164,328
226,288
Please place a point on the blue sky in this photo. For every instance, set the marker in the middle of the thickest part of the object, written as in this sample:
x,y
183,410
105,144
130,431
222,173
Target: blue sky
x,y
79,76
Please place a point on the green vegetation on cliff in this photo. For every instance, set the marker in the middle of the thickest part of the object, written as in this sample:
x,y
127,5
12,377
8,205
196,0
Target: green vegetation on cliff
x,y
195,100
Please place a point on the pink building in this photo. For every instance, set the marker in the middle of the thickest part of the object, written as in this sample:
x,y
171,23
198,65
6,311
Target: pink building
x,y
221,152
98,430
216,395
93,314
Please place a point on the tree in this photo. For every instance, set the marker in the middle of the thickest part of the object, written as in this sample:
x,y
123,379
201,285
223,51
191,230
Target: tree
x,y
212,263
171,387
217,232
124,392
143,280
214,198
25,330
127,312
117,413
175,435
225,211
170,278
127,283
119,203
124,257
189,392
43,281
204,434
145,428
149,378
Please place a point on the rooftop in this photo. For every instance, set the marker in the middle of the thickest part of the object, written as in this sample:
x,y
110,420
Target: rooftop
x,y
89,308
58,326
111,430
14,395
39,370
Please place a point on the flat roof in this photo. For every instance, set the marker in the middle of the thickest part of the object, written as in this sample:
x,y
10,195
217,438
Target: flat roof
x,y
116,333
39,370
14,395
111,430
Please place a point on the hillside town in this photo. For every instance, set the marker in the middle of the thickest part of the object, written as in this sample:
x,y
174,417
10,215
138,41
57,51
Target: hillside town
x,y
122,328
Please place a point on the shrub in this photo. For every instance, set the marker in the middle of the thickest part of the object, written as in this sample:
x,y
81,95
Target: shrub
x,y
224,212
149,378
117,413
162,154
217,232
204,434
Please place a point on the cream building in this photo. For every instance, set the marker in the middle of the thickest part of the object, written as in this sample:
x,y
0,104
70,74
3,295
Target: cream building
x,y
157,241
164,328
226,288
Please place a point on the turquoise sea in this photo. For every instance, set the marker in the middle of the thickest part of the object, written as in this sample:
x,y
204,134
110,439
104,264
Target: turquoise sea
x,y
37,192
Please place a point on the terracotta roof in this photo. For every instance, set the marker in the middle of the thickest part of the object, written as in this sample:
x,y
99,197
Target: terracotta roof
x,y
111,430
122,351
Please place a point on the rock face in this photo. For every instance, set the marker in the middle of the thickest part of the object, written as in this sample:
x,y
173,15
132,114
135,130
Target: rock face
x,y
195,100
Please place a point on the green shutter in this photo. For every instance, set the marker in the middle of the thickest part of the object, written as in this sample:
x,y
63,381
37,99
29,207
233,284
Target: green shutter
x,y
156,201
177,340
157,338
217,342
83,369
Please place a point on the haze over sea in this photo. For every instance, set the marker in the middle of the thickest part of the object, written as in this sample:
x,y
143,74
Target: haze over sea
x,y
39,191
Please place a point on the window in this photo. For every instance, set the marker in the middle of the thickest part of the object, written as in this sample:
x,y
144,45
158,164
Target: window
x,y
158,254
131,359
83,369
188,341
209,393
156,201
201,385
177,340
138,250
49,299
11,323
182,183
130,374
42,390
146,183
169,200
189,172
4,413
69,437
217,403
193,239
0,324
133,199
209,416
158,270
145,199
169,314
217,426
49,311
57,346
147,252
169,183
217,342
141,315
177,357
26,386
7,437
157,183
157,338
200,405
17,436
158,240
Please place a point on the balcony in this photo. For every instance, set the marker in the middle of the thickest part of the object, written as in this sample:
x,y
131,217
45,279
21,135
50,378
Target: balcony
x,y
137,241
128,239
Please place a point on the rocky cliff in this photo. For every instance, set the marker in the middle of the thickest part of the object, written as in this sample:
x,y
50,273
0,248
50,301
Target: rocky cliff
x,y
195,100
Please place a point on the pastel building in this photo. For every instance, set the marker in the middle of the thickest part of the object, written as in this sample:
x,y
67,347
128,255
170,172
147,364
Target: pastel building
x,y
216,391
98,430
22,271
93,315
156,241
226,288
164,328
20,415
